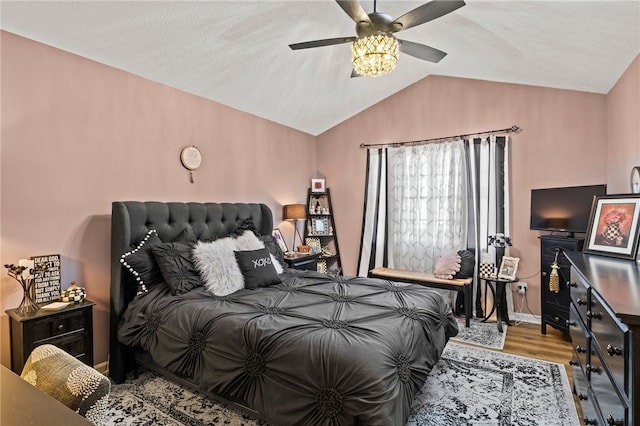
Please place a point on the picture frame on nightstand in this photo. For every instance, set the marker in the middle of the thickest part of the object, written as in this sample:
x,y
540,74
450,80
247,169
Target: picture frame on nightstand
x,y
277,235
508,268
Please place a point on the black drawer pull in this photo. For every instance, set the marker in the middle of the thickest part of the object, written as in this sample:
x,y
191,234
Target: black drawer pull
x,y
582,397
556,318
611,350
613,422
588,421
594,369
580,349
596,315
60,327
572,284
573,362
581,302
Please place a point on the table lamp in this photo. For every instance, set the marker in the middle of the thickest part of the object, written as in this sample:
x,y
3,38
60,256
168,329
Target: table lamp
x,y
294,213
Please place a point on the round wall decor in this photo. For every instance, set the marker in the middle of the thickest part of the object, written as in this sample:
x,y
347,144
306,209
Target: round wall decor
x,y
191,158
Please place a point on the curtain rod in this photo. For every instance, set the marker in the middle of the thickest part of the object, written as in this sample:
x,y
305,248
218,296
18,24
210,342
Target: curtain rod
x,y
512,129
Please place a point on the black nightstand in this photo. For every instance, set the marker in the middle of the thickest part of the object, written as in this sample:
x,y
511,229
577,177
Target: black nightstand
x,y
70,328
307,261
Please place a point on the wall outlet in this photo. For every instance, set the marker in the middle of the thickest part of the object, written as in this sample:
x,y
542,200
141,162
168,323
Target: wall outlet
x,y
522,287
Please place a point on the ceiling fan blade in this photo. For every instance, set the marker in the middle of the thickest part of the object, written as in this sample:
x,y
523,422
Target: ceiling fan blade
x,y
427,12
320,43
421,51
354,10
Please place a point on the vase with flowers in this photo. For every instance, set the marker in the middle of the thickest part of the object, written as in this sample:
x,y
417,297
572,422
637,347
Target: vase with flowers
x,y
24,272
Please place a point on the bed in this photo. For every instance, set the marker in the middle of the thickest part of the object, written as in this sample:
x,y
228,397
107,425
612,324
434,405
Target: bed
x,y
312,349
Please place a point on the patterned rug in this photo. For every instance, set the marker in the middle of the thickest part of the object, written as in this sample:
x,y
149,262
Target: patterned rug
x,y
469,386
479,333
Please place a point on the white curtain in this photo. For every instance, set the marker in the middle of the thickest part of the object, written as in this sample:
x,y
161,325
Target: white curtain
x,y
427,211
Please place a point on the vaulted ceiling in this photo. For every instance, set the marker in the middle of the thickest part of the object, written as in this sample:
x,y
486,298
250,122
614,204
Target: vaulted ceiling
x,y
236,52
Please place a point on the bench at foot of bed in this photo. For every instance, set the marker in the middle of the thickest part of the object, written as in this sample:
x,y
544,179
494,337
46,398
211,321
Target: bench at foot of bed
x,y
429,280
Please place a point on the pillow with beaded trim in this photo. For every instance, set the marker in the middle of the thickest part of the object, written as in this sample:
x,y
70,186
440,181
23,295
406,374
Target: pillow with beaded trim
x,y
142,264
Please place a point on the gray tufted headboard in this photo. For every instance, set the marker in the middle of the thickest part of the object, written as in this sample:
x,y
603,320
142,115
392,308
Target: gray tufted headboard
x,y
130,222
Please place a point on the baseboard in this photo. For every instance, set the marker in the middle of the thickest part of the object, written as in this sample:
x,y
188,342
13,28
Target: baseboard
x,y
103,368
522,317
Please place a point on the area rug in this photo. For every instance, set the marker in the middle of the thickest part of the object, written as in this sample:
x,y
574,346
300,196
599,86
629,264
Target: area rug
x,y
473,386
480,333
469,386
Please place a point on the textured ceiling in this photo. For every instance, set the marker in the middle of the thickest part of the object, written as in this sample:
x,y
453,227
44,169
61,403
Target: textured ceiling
x,y
236,52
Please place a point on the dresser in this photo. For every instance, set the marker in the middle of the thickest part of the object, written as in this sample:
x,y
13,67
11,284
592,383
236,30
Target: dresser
x,y
70,328
555,304
604,324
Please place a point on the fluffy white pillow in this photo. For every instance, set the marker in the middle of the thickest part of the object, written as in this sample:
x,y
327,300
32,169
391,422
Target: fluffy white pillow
x,y
217,264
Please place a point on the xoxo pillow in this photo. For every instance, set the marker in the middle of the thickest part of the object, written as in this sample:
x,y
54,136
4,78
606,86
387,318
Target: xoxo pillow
x,y
257,268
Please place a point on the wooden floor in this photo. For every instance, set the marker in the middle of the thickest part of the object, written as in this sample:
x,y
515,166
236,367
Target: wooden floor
x,y
526,339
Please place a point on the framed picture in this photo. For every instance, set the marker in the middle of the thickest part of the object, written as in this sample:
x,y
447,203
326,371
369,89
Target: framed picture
x,y
320,226
47,280
318,185
321,266
280,239
508,268
314,243
613,226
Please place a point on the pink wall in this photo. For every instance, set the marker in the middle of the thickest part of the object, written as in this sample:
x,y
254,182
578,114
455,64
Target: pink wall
x,y
77,135
623,128
563,142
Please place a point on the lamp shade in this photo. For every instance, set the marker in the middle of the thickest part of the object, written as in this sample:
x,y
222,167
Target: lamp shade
x,y
294,212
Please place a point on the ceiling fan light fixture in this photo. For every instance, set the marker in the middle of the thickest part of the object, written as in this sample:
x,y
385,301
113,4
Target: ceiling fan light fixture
x,y
374,55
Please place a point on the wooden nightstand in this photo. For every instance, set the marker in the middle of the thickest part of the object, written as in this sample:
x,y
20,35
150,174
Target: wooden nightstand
x,y
70,328
307,261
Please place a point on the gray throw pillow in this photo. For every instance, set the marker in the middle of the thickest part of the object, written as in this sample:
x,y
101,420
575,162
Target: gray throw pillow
x,y
467,264
176,264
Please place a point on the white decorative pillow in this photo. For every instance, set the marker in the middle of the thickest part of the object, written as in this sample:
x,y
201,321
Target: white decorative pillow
x,y
217,264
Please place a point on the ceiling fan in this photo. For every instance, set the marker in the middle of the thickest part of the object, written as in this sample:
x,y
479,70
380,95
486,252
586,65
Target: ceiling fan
x,y
375,49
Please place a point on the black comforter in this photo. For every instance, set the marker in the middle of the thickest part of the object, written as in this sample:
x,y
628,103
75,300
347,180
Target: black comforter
x,y
313,350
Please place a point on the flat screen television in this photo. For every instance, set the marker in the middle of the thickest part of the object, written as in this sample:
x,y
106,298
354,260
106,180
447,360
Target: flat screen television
x,y
565,209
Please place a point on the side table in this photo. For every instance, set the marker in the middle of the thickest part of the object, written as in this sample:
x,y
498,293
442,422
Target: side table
x,y
498,289
69,328
305,261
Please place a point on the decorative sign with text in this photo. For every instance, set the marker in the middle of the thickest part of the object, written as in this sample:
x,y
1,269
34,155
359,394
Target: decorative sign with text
x,y
47,282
